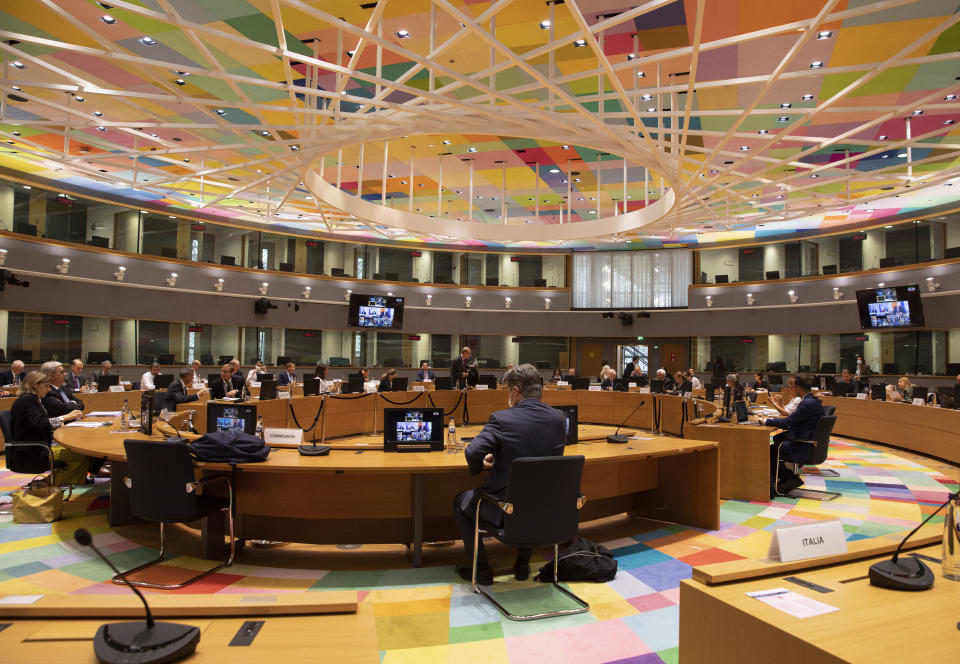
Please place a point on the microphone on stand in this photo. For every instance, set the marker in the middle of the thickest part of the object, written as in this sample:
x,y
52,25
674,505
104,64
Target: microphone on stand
x,y
618,438
146,642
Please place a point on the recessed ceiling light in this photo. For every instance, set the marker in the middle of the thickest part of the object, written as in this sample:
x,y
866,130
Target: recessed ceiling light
x,y
948,122
882,137
179,81
564,147
786,105
101,128
221,111
651,110
402,34
403,182
264,133
641,74
351,53
646,97
884,156
109,20
950,97
17,88
763,131
18,64
155,135
98,114
554,170
294,148
918,112
888,226
816,64
471,149
580,43
826,34
147,41
783,118
544,25
744,148
576,179
814,175
446,142
15,133
902,155
77,98
807,98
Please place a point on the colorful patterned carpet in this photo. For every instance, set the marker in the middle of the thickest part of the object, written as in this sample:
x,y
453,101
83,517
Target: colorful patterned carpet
x,y
426,616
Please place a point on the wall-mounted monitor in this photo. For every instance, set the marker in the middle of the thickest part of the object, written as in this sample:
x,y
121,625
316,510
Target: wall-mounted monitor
x,y
890,307
375,311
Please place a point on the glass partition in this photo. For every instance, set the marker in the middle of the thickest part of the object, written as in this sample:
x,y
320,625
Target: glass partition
x,y
51,214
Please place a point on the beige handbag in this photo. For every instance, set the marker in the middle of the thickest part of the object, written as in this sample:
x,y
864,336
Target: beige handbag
x,y
38,501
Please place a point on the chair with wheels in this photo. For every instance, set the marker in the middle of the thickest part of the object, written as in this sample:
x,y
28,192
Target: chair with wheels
x,y
163,488
539,509
821,443
29,457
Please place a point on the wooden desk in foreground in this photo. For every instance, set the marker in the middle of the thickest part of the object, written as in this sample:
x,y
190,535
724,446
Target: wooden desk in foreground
x,y
722,625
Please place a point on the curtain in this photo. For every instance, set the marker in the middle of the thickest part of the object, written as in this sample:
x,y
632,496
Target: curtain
x,y
631,279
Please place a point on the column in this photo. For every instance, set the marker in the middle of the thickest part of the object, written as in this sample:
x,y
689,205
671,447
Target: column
x,y
126,228
123,339
6,207
300,255
38,210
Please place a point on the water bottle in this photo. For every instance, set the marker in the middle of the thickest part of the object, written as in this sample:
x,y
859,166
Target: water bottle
x,y
452,437
260,427
125,416
951,540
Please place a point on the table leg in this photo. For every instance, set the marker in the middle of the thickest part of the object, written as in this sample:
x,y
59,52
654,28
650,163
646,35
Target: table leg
x,y
416,510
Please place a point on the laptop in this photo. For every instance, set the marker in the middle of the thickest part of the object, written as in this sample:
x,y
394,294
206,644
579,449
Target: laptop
x,y
878,392
400,384
104,383
743,415
162,381
311,386
264,376
413,430
268,390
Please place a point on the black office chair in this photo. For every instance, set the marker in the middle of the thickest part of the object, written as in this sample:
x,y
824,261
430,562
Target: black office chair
x,y
539,509
821,442
163,488
29,457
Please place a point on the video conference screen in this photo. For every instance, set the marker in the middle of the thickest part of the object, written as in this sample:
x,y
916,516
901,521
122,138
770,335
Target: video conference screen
x,y
231,419
889,307
375,311
413,425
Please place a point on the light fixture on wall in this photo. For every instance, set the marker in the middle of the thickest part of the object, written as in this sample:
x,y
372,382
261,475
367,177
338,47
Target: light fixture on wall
x,y
837,293
306,292
507,302
750,299
3,257
793,296
429,300
880,284
932,284
346,296
171,280
467,301
709,301
64,266
218,285
263,288
546,303
120,273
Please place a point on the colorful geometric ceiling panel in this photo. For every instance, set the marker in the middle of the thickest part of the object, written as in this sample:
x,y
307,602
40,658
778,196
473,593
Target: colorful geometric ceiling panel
x,y
573,123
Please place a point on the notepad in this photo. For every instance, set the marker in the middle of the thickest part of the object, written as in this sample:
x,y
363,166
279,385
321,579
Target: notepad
x,y
104,413
794,604
87,425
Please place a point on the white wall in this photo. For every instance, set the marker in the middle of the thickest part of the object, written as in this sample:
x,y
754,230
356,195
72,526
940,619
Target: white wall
x,y
719,261
830,349
509,271
6,207
553,270
874,248
124,336
773,258
422,266
100,215
873,352
953,234
128,226
829,251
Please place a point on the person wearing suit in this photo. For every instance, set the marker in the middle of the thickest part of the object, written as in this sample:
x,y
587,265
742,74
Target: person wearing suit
x,y
226,386
14,375
425,373
76,379
177,392
528,428
606,380
798,426
288,377
844,385
105,370
30,422
631,365
60,399
460,369
386,381
732,392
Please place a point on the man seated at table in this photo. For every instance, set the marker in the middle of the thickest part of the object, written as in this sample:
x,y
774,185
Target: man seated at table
x,y
844,385
425,373
225,387
59,399
76,380
14,375
288,377
692,377
638,376
528,428
177,393
571,372
798,427
786,400
146,380
631,365
106,369
197,365
669,385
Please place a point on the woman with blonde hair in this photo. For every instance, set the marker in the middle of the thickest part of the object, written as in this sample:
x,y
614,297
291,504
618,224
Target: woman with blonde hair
x,y
30,422
902,392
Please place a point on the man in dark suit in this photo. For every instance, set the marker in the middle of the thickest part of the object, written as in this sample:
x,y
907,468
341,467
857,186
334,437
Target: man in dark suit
x,y
226,385
14,375
59,400
631,365
75,376
798,426
177,392
288,377
460,369
106,369
529,428
425,373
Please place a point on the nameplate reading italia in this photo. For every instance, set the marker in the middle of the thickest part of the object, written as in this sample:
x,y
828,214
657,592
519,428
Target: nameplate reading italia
x,y
809,540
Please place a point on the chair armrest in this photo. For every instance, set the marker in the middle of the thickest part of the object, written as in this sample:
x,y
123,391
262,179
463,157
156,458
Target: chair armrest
x,y
504,506
203,481
33,443
809,442
581,501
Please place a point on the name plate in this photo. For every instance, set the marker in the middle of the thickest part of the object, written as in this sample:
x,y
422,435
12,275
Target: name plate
x,y
254,383
631,385
919,402
688,395
483,387
293,436
283,395
644,390
117,388
427,380
809,540
419,388
861,395
594,388
562,383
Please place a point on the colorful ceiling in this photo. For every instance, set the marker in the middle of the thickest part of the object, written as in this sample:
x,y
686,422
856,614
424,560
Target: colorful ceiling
x,y
577,124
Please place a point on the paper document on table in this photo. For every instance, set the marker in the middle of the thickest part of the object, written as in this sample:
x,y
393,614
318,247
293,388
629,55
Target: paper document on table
x,y
640,438
19,599
104,413
795,604
86,425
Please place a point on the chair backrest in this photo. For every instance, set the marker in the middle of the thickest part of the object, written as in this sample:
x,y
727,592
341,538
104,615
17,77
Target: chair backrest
x,y
829,410
821,434
5,426
159,472
544,492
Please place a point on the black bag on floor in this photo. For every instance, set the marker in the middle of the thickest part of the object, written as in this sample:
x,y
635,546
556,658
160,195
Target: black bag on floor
x,y
582,561
226,447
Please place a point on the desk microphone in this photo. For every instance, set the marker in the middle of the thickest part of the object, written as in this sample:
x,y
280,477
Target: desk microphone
x,y
141,642
912,575
618,438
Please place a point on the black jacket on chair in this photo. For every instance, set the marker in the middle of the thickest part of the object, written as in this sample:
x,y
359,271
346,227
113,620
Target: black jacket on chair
x,y
176,394
55,403
529,429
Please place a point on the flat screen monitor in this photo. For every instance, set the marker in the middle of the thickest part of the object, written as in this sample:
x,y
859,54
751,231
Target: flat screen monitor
x,y
375,311
443,383
413,429
656,386
400,383
878,392
578,383
686,386
619,384
311,386
146,414
489,380
268,390
162,381
919,392
353,386
890,307
231,418
741,409
104,383
213,377
263,376
570,415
